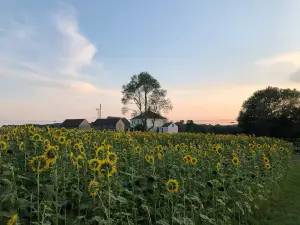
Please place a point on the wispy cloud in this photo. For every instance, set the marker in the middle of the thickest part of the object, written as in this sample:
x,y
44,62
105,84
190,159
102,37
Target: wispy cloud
x,y
79,50
64,71
287,57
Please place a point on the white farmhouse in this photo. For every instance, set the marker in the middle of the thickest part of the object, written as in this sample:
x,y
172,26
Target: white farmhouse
x,y
154,120
169,128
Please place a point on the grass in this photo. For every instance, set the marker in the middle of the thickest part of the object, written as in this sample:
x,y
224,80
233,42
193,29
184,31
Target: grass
x,y
284,205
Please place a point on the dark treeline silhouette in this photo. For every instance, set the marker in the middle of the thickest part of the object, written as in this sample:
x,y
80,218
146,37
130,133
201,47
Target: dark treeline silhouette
x,y
190,126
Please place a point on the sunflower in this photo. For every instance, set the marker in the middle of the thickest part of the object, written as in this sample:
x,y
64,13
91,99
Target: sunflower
x,y
98,151
51,155
108,147
88,138
187,159
3,145
152,152
159,155
138,149
21,146
37,137
267,166
69,142
95,144
235,161
266,160
79,161
149,158
111,157
94,187
106,168
76,146
251,146
94,164
5,137
172,186
193,161
72,157
12,220
46,142
82,150
39,163
61,140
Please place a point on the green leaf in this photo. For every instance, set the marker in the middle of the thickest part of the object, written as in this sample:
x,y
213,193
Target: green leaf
x,y
162,222
7,173
206,218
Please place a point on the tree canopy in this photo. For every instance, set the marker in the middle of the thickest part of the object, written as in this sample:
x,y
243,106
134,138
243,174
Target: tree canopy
x,y
144,93
272,112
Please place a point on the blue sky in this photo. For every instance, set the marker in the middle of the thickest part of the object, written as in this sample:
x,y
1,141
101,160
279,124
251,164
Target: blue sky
x,y
60,59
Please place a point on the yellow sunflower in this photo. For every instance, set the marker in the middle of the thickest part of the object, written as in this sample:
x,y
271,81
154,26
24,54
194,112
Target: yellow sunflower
x,y
61,140
106,168
5,137
266,160
193,161
51,155
39,163
159,155
187,159
235,161
21,146
98,151
94,187
12,220
46,142
267,166
112,157
36,137
138,149
172,186
94,164
149,158
3,145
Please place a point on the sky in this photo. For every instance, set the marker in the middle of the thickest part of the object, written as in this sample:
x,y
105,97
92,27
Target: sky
x,y
61,59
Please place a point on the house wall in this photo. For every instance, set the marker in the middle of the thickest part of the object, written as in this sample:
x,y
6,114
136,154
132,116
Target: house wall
x,y
157,124
84,125
120,126
172,129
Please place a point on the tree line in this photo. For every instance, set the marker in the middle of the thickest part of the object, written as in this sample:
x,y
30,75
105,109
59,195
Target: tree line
x,y
271,112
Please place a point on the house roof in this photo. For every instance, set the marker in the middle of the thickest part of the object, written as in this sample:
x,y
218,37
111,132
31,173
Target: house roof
x,y
72,123
166,125
181,127
149,115
100,122
125,121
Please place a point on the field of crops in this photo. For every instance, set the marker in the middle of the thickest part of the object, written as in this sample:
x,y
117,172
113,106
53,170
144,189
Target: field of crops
x,y
58,176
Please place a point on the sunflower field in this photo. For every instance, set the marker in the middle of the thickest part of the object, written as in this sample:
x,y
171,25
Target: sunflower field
x,y
58,176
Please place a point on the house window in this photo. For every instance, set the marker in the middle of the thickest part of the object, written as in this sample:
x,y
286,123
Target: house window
x,y
172,124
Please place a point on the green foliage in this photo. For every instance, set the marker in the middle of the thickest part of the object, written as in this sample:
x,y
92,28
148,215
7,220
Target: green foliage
x,y
144,93
272,112
211,189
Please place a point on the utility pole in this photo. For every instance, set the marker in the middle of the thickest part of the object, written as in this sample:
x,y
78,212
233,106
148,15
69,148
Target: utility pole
x,y
100,112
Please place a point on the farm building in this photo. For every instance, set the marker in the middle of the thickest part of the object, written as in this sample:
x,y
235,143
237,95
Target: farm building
x,y
116,123
169,128
81,124
154,120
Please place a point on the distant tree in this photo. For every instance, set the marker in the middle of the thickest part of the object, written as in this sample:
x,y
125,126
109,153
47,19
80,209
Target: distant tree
x,y
143,94
271,112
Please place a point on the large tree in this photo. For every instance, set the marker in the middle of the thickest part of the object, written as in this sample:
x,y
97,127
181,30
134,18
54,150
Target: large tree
x,y
143,94
272,112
